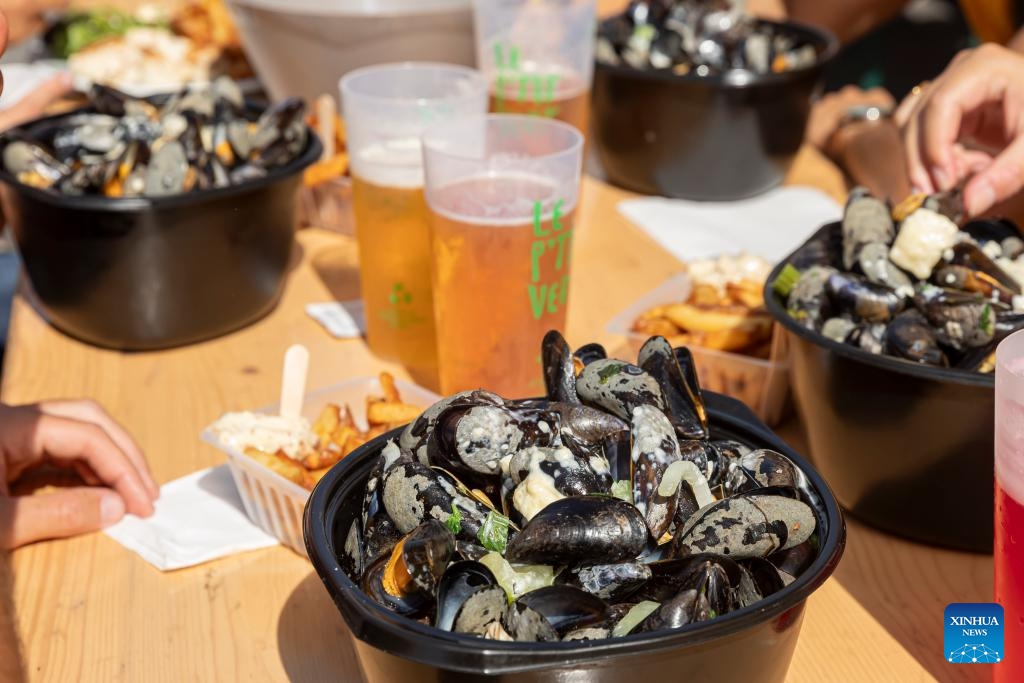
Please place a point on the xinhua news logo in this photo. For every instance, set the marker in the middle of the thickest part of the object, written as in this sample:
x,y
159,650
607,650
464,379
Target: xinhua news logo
x,y
974,633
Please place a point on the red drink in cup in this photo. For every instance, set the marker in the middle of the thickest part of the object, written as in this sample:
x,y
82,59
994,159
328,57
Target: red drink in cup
x,y
1009,515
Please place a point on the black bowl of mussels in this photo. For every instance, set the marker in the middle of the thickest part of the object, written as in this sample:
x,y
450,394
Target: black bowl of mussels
x,y
698,101
152,223
893,316
623,526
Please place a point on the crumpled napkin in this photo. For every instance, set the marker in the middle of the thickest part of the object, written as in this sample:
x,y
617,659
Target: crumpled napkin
x,y
198,518
770,225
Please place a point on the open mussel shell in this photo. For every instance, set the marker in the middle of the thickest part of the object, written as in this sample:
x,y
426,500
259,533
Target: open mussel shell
x,y
559,369
679,385
709,573
580,530
414,438
759,579
561,609
466,595
654,449
406,580
686,608
971,256
537,475
414,493
471,440
588,353
761,468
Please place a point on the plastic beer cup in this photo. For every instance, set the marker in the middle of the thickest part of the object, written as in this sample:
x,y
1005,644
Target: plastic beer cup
x,y
503,192
386,109
538,56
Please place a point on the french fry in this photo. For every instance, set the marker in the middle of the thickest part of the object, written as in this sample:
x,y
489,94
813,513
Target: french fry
x,y
387,384
746,293
323,457
705,295
716,318
653,327
279,463
327,422
382,413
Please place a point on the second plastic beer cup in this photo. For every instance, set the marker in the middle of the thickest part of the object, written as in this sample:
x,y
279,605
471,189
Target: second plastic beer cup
x,y
538,56
503,193
386,110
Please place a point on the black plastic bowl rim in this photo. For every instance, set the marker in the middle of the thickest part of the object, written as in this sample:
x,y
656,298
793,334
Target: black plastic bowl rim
x,y
898,365
739,79
305,158
473,652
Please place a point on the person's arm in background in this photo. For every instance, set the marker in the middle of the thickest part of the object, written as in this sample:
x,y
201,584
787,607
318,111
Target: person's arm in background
x,y
25,17
847,19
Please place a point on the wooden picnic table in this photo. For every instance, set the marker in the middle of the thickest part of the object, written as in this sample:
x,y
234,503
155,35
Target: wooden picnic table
x,y
89,610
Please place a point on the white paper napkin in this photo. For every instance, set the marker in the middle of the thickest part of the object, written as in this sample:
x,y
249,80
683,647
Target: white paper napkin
x,y
770,225
198,518
21,79
343,319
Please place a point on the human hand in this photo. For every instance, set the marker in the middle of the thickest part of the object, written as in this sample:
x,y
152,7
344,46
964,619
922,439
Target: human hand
x,y
969,123
829,111
79,435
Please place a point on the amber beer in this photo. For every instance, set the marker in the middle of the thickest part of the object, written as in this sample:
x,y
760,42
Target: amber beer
x,y
394,253
491,318
553,95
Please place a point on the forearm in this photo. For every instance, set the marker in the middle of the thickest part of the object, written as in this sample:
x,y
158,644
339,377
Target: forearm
x,y
847,19
11,670
1017,42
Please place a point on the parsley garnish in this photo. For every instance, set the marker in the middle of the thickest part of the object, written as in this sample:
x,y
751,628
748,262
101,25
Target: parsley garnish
x,y
454,521
493,533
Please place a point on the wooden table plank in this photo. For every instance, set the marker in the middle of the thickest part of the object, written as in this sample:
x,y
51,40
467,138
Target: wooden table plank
x,y
90,610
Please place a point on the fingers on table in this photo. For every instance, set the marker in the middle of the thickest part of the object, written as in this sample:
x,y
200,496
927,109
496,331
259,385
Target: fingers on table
x,y
68,512
67,441
90,411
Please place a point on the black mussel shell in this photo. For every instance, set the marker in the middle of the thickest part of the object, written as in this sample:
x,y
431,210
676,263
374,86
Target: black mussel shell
x,y
706,572
414,438
686,608
746,526
909,336
588,353
676,375
580,530
559,370
565,607
618,387
414,493
460,581
862,299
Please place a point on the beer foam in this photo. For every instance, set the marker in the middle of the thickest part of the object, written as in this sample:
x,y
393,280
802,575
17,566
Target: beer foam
x,y
470,207
1009,446
392,163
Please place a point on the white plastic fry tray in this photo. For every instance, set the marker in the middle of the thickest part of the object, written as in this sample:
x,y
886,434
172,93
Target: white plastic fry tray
x,y
276,504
